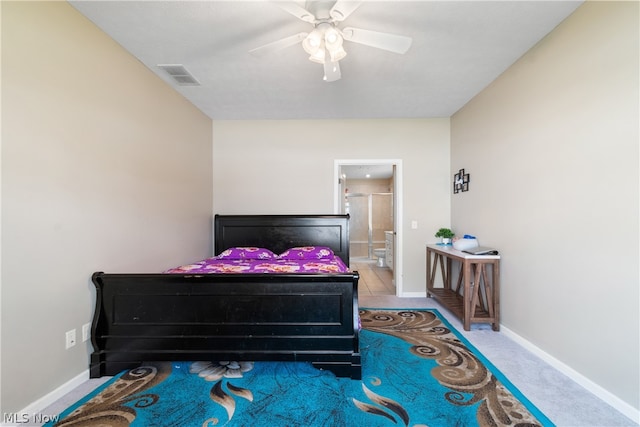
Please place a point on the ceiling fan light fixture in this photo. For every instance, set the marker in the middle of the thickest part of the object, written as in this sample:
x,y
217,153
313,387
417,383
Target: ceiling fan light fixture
x,y
324,43
313,41
332,36
333,41
318,56
336,54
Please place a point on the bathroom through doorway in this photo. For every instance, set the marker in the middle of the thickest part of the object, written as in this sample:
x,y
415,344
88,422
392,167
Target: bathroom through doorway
x,y
370,192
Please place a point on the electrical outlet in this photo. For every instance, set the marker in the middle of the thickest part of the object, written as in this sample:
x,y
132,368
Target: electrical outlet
x,y
86,330
70,338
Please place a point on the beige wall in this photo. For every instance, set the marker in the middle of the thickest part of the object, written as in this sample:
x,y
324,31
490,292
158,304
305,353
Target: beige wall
x,y
552,150
104,167
287,167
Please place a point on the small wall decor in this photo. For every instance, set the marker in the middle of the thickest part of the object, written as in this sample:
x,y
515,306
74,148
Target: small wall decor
x,y
460,181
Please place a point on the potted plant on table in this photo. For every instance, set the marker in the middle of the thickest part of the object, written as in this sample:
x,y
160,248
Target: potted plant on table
x,y
446,235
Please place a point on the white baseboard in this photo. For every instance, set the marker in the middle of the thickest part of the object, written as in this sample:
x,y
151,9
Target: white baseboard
x,y
604,395
414,295
41,404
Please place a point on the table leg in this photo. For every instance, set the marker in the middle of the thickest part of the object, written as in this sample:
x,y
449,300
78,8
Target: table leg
x,y
476,297
444,269
430,273
495,272
467,296
488,292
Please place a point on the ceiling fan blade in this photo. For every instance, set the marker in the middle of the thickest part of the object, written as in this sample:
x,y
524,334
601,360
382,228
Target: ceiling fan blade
x,y
278,45
331,71
391,42
342,9
297,11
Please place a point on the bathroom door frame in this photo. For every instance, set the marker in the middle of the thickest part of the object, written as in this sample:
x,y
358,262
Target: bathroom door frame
x,y
397,206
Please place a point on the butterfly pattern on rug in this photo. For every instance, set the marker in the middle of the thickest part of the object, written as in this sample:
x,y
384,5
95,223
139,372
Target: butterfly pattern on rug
x,y
458,368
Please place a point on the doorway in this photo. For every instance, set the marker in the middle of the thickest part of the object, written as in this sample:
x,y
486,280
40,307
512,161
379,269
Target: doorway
x,y
370,191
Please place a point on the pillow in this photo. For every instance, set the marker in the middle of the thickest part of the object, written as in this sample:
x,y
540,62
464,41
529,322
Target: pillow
x,y
307,252
246,253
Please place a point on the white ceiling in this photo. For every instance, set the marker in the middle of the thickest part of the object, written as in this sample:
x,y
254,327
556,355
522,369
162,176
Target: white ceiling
x,y
459,47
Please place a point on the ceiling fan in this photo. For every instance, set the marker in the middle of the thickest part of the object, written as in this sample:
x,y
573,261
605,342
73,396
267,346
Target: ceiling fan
x,y
324,43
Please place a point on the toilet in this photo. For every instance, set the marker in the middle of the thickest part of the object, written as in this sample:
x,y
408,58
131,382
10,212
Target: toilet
x,y
381,254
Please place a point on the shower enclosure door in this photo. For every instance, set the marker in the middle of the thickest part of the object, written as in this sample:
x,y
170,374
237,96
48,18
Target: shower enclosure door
x,y
357,206
370,216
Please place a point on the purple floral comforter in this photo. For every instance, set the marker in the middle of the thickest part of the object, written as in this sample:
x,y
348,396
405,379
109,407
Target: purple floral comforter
x,y
304,259
214,265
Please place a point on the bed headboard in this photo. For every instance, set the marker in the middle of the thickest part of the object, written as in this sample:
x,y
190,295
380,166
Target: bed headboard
x,y
281,232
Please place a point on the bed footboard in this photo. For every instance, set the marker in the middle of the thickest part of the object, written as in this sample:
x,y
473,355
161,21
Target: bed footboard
x,y
174,317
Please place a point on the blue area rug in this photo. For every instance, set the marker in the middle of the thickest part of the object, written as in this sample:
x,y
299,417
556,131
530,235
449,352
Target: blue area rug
x,y
417,371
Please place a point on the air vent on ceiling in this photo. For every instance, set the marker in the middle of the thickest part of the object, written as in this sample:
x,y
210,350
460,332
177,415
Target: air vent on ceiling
x,y
180,74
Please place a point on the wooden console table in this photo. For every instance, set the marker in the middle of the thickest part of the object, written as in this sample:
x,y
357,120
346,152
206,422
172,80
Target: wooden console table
x,y
476,296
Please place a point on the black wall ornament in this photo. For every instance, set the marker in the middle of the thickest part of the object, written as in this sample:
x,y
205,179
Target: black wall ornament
x,y
460,181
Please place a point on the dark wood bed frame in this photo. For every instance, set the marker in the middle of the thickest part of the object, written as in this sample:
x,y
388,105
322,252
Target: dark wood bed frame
x,y
243,317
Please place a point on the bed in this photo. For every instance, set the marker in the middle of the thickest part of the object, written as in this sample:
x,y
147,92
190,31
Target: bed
x,y
190,316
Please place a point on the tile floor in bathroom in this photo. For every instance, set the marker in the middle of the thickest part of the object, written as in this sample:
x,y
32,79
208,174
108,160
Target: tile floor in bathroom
x,y
374,280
